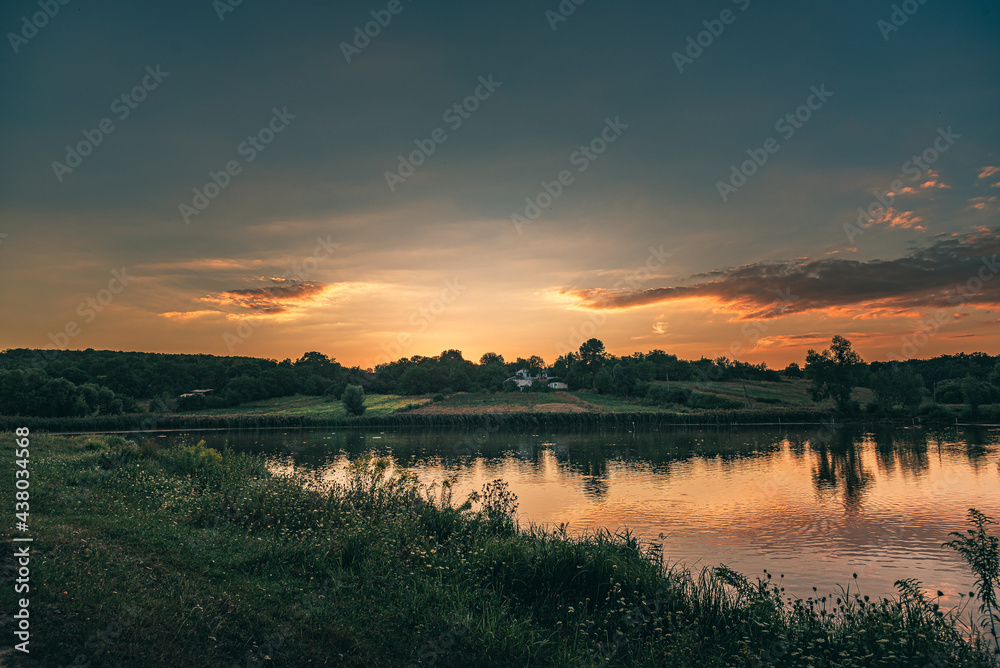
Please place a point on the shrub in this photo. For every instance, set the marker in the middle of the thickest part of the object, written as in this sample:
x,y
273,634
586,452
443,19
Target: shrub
x,y
191,402
121,451
679,395
354,400
195,459
699,400
661,395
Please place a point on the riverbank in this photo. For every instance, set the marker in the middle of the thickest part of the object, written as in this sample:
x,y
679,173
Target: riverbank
x,y
150,556
515,411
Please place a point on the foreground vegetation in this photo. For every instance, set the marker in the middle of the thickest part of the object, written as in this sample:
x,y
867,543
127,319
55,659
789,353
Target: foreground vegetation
x,y
183,556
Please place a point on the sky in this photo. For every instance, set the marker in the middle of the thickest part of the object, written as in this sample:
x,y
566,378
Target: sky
x,y
389,179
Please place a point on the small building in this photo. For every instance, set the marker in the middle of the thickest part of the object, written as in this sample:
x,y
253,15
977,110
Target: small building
x,y
524,379
195,393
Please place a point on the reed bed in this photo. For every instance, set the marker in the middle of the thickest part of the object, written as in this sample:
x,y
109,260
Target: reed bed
x,y
502,421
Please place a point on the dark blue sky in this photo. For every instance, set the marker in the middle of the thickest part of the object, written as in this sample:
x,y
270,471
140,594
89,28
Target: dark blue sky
x,y
530,288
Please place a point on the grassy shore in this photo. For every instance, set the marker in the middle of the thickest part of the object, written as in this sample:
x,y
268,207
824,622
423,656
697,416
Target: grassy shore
x,y
149,557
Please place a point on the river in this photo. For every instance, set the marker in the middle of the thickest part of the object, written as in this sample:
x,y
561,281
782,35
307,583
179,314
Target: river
x,y
814,505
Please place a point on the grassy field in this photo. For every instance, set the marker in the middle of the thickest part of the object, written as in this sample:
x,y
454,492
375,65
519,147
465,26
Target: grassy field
x,y
794,393
768,402
763,395
318,407
152,557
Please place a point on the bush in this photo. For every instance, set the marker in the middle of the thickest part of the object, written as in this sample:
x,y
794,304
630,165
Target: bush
x,y
679,395
191,402
662,395
656,395
121,451
194,459
438,397
354,400
699,400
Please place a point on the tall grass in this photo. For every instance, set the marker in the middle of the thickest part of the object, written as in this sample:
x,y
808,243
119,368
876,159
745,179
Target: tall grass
x,y
220,562
982,552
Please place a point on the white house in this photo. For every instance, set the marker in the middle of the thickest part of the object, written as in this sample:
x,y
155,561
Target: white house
x,y
524,379
195,393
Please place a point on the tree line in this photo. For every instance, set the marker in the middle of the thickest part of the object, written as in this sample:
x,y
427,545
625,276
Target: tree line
x,y
92,382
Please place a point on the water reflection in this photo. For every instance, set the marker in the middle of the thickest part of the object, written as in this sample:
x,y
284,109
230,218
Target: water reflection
x,y
877,502
902,450
839,467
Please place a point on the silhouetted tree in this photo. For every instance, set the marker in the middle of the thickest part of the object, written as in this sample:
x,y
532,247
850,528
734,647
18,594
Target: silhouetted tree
x,y
834,372
354,400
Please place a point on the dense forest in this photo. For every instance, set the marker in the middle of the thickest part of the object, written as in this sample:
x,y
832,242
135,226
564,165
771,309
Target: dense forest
x,y
95,382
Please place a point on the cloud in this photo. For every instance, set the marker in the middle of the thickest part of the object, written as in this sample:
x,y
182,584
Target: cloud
x,y
988,172
945,273
933,181
904,219
981,203
187,315
271,299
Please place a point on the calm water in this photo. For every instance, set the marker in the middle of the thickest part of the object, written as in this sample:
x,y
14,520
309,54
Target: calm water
x,y
878,504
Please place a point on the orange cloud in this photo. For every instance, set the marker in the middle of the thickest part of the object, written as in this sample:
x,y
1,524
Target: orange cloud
x,y
904,219
933,181
951,270
269,300
981,203
987,172
187,315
